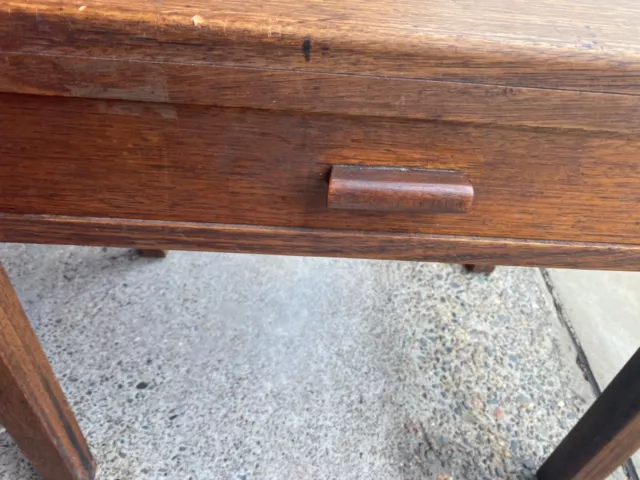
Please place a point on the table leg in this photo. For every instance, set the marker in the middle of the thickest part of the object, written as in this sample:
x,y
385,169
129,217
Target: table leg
x,y
479,268
606,436
152,253
33,408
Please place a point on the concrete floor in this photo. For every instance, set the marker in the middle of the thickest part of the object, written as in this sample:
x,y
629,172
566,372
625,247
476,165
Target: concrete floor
x,y
603,309
211,366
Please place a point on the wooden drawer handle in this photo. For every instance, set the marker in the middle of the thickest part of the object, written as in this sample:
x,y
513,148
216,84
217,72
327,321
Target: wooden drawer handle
x,y
386,189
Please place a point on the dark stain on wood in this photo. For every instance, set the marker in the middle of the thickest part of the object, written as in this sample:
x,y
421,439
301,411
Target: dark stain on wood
x,y
306,49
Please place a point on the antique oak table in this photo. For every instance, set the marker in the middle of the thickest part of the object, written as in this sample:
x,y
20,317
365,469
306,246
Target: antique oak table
x,y
470,131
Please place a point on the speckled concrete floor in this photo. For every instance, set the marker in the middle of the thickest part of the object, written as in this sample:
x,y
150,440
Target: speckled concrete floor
x,y
211,366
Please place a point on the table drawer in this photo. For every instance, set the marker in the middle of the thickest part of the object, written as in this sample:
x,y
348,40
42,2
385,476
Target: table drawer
x,y
133,160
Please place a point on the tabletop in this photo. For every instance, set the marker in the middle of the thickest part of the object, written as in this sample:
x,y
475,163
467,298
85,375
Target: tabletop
x,y
583,45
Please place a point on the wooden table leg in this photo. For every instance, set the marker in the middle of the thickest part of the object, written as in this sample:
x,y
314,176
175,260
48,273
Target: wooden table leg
x,y
479,268
153,253
606,436
33,408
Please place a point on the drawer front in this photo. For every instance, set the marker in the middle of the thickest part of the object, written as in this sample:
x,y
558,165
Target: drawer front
x,y
95,158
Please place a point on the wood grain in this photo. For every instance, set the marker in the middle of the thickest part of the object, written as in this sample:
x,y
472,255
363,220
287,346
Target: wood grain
x,y
203,164
315,242
33,408
550,43
318,93
536,102
605,437
400,190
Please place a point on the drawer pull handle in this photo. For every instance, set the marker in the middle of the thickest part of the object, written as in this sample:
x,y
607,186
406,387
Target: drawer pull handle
x,y
396,190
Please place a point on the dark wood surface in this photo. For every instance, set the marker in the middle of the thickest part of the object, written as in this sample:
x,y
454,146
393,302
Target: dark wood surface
x,y
315,242
401,190
152,253
606,436
561,44
33,408
150,161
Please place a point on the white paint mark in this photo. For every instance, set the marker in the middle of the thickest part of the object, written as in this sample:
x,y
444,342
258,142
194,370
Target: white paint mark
x,y
197,20
82,8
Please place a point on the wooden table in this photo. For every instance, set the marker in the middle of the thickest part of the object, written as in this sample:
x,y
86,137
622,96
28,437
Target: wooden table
x,y
480,132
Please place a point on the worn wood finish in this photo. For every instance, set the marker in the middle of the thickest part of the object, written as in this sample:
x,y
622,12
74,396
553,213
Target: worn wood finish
x,y
114,78
225,118
152,253
315,242
606,436
33,408
479,268
400,190
550,43
204,164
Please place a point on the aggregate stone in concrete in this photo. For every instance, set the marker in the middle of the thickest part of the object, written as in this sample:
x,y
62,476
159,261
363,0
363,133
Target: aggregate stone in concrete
x,y
213,366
